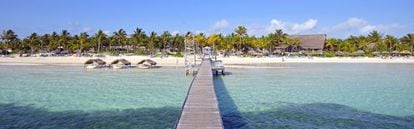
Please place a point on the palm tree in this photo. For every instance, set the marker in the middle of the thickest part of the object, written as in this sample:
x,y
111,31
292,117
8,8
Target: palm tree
x,y
44,41
241,32
33,42
391,41
259,43
138,36
332,44
9,38
376,38
165,39
178,42
151,42
277,38
83,40
64,39
120,36
99,37
409,40
200,39
213,39
54,41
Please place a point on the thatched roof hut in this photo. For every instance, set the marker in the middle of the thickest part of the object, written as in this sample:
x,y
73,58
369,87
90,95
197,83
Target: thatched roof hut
x,y
147,61
405,52
311,42
98,61
122,61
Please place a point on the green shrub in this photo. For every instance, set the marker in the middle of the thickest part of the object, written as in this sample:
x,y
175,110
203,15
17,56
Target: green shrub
x,y
329,54
178,54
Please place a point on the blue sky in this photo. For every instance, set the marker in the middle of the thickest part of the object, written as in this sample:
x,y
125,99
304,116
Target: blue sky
x,y
336,18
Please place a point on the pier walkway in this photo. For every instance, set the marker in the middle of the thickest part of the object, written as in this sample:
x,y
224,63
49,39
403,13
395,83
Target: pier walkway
x,y
200,110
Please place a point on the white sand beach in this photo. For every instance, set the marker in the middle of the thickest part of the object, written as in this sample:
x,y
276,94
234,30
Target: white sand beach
x,y
175,61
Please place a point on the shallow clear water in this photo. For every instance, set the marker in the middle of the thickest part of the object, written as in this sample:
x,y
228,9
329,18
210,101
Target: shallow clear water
x,y
72,97
267,96
318,96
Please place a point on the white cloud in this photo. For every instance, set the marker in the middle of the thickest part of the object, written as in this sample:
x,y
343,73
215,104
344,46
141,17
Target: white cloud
x,y
107,32
290,27
219,26
308,25
358,26
175,32
367,28
351,23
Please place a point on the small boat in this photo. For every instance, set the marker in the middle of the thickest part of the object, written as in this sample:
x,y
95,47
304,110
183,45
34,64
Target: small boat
x,y
94,63
120,64
146,64
217,65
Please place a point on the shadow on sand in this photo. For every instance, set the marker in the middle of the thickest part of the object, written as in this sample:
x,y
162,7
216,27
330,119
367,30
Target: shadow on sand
x,y
314,115
28,117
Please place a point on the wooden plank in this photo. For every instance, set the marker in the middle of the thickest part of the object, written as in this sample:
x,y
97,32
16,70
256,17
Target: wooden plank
x,y
200,110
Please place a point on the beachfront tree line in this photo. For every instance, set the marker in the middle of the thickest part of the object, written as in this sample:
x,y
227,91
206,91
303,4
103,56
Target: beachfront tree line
x,y
239,41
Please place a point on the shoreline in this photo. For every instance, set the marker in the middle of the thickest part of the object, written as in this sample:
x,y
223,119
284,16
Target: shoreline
x,y
179,61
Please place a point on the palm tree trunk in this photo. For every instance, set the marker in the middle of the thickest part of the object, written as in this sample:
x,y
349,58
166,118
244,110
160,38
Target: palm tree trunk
x,y
99,45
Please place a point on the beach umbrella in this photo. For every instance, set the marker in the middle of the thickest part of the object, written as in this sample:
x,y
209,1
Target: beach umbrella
x,y
405,52
395,52
360,52
339,53
277,51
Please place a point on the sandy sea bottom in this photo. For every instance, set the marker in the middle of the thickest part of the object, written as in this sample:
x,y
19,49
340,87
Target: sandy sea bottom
x,y
72,97
317,96
250,97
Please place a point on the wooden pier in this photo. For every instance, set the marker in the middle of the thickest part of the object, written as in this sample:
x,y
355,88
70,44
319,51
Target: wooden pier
x,y
200,109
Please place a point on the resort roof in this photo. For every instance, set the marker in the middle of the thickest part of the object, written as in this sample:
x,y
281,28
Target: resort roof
x,y
316,41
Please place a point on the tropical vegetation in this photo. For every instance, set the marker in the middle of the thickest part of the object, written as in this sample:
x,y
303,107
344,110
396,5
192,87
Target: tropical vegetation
x,y
139,42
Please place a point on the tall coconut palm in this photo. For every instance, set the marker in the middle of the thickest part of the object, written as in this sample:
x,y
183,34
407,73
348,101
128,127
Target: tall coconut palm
x,y
121,37
277,38
138,36
409,40
178,42
391,41
200,39
83,41
241,32
64,39
54,41
44,41
9,38
213,39
332,44
33,42
152,40
99,37
165,39
376,38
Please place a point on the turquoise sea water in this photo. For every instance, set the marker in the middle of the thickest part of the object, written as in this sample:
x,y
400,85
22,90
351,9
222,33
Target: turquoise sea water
x,y
72,97
267,96
318,96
